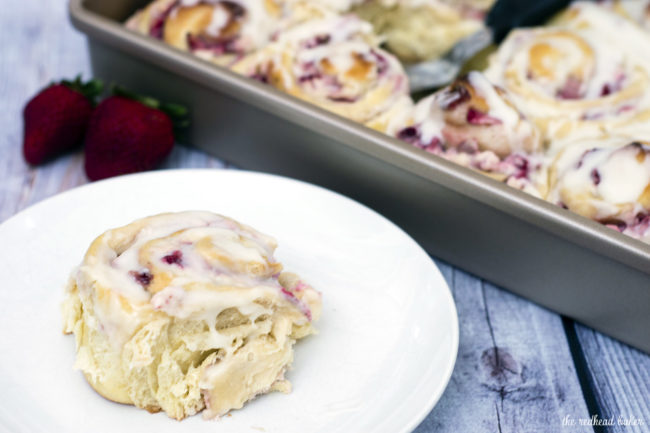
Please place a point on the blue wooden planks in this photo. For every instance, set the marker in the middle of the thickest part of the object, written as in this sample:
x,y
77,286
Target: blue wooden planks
x,y
514,371
619,377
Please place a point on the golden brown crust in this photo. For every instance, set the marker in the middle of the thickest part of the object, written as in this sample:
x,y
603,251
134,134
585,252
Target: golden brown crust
x,y
106,391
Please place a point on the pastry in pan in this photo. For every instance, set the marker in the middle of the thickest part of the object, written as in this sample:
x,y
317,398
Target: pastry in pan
x,y
637,11
574,78
607,180
218,30
475,124
547,90
186,311
417,30
336,64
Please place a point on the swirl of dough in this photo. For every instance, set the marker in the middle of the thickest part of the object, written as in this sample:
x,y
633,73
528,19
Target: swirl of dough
x,y
607,180
475,124
336,64
222,31
573,79
164,309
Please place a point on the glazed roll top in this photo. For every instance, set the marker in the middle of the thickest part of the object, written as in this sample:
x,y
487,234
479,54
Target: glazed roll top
x,y
574,79
185,311
637,11
607,180
334,63
474,123
189,265
222,31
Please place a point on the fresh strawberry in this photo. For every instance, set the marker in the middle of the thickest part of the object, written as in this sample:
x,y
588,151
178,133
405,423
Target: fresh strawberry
x,y
56,119
127,135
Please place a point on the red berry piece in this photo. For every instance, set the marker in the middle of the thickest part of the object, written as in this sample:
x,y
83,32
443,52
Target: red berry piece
x,y
477,117
142,277
55,120
174,258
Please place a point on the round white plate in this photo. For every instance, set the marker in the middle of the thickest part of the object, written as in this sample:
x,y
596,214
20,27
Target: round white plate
x,y
387,338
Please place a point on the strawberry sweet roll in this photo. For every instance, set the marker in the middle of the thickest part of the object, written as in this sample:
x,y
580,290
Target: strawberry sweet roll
x,y
607,180
186,311
574,79
222,31
473,123
336,64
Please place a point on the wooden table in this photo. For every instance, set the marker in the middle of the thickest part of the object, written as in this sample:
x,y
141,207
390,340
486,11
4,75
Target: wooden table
x,y
520,368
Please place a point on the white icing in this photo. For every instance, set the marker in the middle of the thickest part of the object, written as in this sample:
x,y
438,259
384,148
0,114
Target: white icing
x,y
340,5
113,271
613,63
427,114
260,23
257,25
220,18
317,59
199,287
337,28
498,107
206,305
636,10
623,177
607,173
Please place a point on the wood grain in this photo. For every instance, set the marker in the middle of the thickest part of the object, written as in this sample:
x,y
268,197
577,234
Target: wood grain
x,y
514,371
38,46
620,379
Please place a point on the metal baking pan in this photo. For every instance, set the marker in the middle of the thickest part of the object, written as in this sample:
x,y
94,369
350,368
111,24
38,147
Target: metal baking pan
x,y
558,259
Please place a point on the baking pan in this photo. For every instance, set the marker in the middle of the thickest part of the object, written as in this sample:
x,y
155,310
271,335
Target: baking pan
x,y
558,259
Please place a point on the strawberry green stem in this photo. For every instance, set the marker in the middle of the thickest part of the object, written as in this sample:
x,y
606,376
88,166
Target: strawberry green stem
x,y
176,112
90,89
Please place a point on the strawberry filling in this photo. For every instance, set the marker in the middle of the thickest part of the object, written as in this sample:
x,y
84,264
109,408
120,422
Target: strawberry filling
x,y
595,176
476,117
297,302
639,228
519,166
409,134
347,99
316,41
157,28
381,64
570,89
515,166
453,97
613,87
174,258
143,277
217,45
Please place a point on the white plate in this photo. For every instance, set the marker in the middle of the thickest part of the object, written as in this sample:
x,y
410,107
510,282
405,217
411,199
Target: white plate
x,y
388,334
